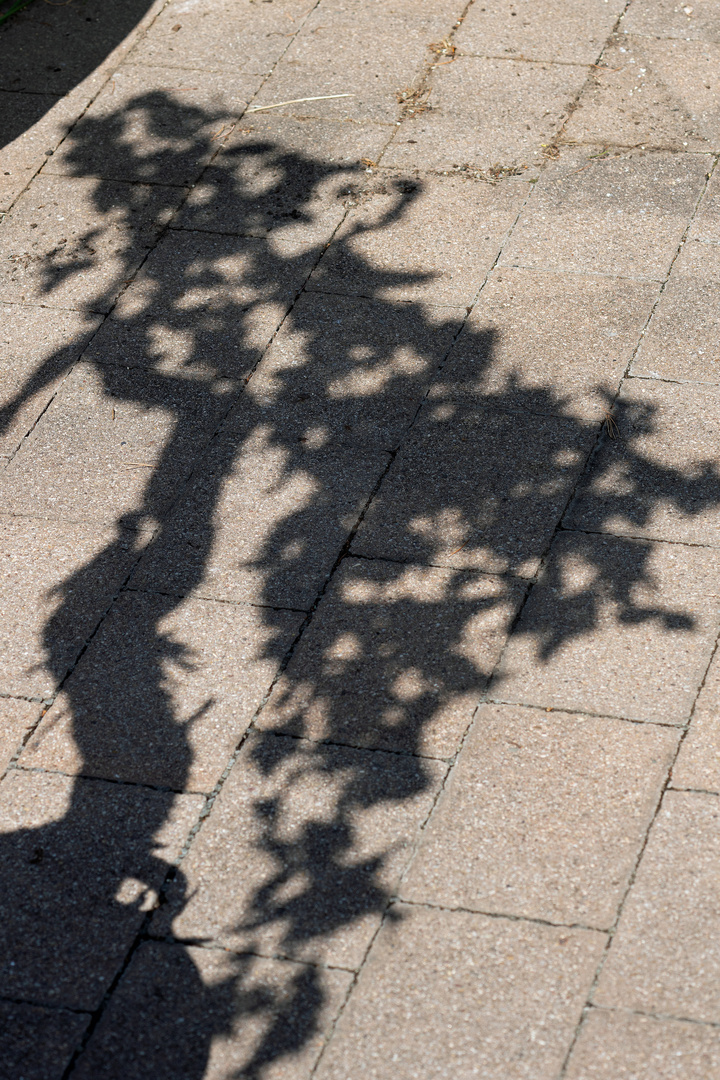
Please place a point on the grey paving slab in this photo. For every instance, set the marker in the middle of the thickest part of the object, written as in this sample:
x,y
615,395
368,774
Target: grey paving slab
x,y
544,816
556,343
154,125
453,993
706,222
32,126
290,178
623,214
362,48
202,305
660,476
37,1042
476,487
681,342
651,93
669,19
58,580
72,242
303,850
17,718
363,674
114,441
615,626
615,1045
164,693
664,956
38,346
432,240
221,35
263,521
488,112
566,31
347,370
698,763
201,1012
82,862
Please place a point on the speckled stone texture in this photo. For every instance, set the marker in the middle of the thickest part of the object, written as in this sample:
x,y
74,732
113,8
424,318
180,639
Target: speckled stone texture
x,y
359,540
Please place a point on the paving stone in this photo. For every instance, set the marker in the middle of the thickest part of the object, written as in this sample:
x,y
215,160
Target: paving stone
x,y
681,340
82,862
488,112
363,675
665,956
348,370
543,816
669,19
50,52
16,719
623,214
202,1012
36,1042
432,239
57,582
114,441
303,849
615,626
164,693
203,306
698,763
476,487
37,347
262,522
450,993
154,125
280,176
556,343
651,93
221,35
706,222
71,242
619,1046
364,49
660,477
566,30
31,125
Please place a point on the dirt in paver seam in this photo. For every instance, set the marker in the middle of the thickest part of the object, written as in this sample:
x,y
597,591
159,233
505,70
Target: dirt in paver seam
x,y
398,572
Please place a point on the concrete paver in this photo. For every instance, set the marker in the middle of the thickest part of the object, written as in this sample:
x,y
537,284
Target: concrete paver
x,y
39,1042
201,990
566,31
358,519
548,342
681,341
512,994
620,213
651,93
664,958
438,250
269,890
488,112
66,948
615,1045
544,816
615,626
362,675
670,432
216,665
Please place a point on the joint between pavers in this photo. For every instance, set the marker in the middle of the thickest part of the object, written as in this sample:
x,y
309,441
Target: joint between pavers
x,y
216,946
53,1006
654,1015
505,916
679,726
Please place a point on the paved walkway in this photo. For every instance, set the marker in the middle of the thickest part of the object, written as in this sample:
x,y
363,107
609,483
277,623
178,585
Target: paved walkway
x,y
360,540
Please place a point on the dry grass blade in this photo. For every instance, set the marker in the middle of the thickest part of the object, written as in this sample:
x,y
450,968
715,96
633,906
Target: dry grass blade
x,y
297,101
442,48
611,426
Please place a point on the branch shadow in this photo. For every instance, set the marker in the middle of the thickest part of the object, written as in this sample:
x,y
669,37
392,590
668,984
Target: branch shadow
x,y
427,553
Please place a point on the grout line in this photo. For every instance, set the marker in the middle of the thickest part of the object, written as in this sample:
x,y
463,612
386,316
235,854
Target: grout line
x,y
505,915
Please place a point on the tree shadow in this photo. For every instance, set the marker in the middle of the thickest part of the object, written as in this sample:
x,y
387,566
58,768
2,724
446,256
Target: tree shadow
x,y
410,510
